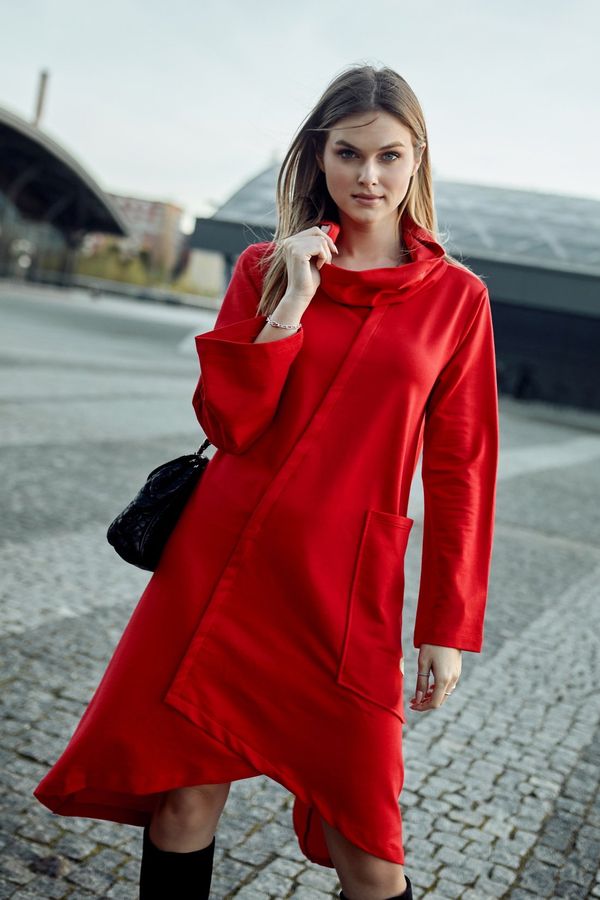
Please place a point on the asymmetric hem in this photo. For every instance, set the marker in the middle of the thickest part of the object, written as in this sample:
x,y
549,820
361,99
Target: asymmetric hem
x,y
79,798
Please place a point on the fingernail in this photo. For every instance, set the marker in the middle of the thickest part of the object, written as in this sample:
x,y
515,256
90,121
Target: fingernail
x,y
419,696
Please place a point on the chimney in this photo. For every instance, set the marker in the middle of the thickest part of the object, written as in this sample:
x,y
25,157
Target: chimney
x,y
40,96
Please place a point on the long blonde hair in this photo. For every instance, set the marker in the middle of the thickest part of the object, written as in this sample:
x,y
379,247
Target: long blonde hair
x,y
302,198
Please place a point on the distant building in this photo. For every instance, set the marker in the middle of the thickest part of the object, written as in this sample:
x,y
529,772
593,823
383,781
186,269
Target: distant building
x,y
154,226
48,203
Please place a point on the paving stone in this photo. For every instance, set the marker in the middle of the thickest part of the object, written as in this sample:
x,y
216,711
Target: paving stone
x,y
421,878
95,882
50,888
502,874
578,871
271,883
253,855
303,893
250,892
13,869
107,860
479,836
498,827
538,876
448,885
484,889
449,839
7,888
73,846
319,877
121,890
113,834
570,890
41,831
287,867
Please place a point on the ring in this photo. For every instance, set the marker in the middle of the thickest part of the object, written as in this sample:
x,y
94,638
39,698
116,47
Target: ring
x,y
423,673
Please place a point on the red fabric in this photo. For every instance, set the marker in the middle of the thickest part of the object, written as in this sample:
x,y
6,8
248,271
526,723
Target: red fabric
x,y
269,639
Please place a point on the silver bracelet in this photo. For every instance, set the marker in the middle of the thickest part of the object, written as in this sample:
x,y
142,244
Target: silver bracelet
x,y
281,325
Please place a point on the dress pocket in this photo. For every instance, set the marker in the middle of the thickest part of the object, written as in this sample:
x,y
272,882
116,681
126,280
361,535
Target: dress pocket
x,y
371,657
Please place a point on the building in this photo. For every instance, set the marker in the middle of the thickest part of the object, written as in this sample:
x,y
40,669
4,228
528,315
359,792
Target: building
x,y
48,203
154,226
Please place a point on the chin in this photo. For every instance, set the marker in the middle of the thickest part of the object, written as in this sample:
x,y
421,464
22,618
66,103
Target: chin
x,y
366,217
359,213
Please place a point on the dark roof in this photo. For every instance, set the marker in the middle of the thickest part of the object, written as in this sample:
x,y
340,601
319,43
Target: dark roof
x,y
46,183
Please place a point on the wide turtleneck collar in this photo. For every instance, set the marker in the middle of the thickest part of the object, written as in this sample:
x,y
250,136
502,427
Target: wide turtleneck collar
x,y
390,284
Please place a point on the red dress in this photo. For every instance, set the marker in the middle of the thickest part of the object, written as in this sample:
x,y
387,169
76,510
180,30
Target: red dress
x,y
269,638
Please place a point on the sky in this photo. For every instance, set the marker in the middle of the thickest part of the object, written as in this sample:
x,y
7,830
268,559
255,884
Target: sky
x,y
187,100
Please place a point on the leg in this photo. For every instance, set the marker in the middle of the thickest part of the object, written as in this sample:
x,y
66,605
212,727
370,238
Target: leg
x,y
362,875
179,843
185,819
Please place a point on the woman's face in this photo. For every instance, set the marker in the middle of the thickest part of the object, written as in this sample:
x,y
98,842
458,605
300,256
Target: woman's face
x,y
376,160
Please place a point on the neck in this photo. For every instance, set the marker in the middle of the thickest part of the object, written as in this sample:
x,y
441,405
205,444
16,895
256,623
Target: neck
x,y
364,245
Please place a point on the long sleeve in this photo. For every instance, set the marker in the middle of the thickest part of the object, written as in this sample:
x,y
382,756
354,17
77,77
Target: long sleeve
x,y
241,382
459,467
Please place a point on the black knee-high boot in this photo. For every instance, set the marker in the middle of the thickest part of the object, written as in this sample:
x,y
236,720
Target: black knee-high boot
x,y
167,874
407,895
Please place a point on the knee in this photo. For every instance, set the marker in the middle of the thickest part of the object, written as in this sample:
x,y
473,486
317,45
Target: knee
x,y
362,874
191,804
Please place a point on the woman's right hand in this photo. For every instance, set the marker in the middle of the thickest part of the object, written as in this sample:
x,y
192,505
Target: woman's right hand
x,y
305,254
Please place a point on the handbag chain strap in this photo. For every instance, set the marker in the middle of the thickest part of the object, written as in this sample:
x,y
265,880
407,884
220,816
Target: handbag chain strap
x,y
203,447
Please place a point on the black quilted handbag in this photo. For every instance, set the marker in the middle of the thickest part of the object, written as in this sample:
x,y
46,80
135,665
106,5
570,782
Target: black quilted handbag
x,y
140,532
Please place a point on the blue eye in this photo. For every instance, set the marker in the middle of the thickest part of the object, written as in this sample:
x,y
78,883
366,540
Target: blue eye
x,y
391,153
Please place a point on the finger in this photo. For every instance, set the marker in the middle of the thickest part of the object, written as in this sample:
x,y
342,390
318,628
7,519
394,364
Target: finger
x,y
331,244
328,242
423,705
437,696
422,696
421,688
426,701
324,230
325,254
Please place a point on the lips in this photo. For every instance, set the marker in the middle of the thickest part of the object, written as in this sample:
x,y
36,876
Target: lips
x,y
367,196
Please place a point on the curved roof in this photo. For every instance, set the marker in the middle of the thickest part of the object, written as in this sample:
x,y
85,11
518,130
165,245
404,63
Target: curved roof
x,y
46,183
475,220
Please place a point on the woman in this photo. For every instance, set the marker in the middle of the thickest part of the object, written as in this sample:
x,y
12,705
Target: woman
x,y
269,638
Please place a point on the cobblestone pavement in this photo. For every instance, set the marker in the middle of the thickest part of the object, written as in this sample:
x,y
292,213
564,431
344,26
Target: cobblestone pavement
x,y
502,787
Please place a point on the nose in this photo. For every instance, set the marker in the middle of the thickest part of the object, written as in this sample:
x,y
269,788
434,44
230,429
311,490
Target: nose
x,y
368,174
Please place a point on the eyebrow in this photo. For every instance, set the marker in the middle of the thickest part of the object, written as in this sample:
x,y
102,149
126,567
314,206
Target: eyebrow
x,y
386,147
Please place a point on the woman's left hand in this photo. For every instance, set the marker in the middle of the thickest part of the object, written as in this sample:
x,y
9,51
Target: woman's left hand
x,y
445,664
